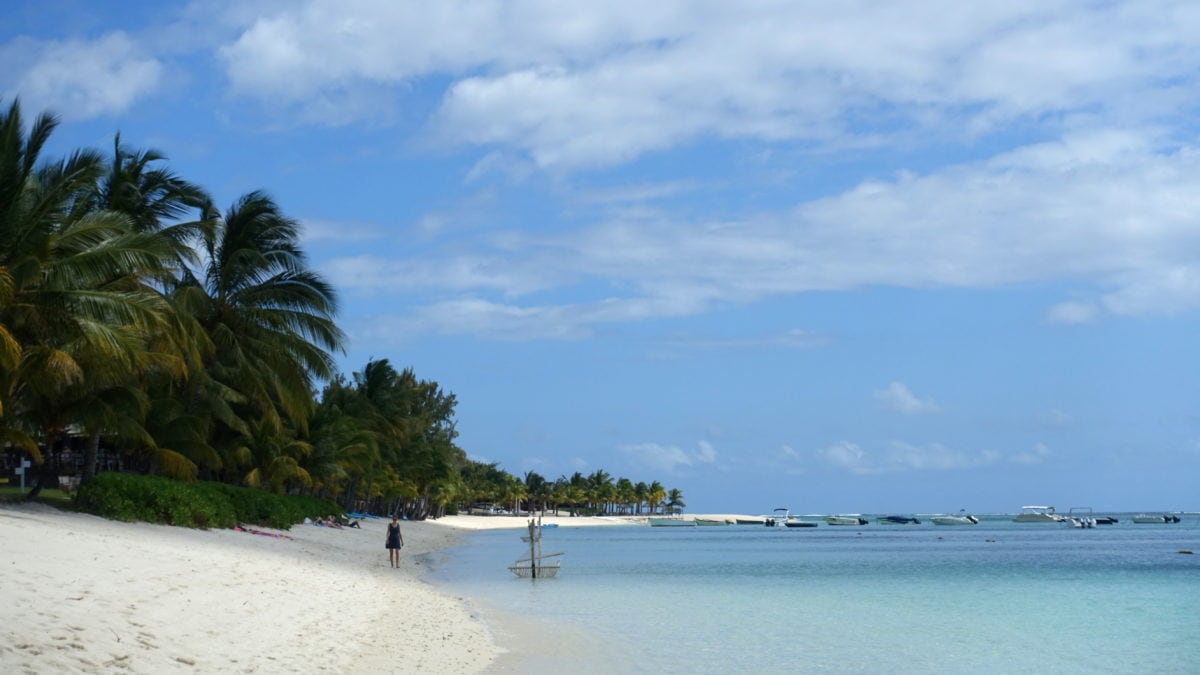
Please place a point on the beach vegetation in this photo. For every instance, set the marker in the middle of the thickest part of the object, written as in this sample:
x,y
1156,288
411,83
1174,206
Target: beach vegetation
x,y
188,353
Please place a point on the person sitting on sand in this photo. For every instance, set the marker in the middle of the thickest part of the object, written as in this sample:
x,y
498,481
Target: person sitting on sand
x,y
394,541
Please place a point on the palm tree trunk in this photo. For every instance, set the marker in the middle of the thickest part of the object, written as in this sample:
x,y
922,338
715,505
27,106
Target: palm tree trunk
x,y
90,456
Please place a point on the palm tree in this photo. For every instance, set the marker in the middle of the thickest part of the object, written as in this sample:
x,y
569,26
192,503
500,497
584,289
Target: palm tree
x,y
625,494
600,487
655,495
537,488
269,316
641,493
675,500
74,310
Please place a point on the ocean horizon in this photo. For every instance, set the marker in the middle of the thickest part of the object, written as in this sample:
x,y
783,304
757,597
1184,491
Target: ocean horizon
x,y
994,597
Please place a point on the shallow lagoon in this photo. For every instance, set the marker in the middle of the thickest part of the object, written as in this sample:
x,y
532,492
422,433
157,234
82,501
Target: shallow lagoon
x,y
996,597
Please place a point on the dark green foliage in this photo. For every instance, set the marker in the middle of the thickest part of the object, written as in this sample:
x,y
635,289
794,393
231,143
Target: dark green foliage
x,y
156,499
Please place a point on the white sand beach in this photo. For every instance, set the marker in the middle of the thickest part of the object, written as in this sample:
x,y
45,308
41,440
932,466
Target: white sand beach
x,y
85,595
82,594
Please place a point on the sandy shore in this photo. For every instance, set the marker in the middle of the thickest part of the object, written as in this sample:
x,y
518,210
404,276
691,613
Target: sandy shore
x,y
84,594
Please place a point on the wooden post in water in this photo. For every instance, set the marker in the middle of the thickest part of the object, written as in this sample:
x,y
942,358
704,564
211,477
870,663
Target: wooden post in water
x,y
533,549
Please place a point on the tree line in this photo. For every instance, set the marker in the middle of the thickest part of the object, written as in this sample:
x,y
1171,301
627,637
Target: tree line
x,y
136,314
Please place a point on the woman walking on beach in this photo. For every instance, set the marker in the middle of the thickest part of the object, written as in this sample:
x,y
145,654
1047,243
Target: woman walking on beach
x,y
394,541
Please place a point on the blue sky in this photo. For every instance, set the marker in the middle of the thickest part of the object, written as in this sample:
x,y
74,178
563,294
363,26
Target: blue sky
x,y
841,257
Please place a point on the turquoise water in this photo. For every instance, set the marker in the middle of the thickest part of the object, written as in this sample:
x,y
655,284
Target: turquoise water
x,y
998,597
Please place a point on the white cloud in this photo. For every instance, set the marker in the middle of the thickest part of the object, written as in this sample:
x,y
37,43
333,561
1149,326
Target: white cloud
x,y
898,398
899,456
600,83
1073,313
669,458
79,79
1110,211
1038,454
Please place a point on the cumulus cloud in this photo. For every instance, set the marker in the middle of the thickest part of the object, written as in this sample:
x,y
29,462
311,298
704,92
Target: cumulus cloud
x,y
898,398
1105,201
669,458
589,84
80,79
1111,210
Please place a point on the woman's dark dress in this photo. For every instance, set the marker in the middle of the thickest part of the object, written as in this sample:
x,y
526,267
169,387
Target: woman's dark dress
x,y
393,535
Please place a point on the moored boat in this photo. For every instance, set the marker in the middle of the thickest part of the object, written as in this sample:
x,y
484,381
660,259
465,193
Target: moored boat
x,y
710,522
853,519
897,520
796,522
1038,514
777,518
1081,517
1145,519
962,519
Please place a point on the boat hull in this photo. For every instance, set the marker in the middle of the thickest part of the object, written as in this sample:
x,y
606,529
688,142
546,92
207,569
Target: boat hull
x,y
954,520
849,521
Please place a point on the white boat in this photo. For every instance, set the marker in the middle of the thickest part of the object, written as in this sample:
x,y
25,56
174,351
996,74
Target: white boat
x,y
853,519
777,518
961,519
1080,517
1144,519
1038,514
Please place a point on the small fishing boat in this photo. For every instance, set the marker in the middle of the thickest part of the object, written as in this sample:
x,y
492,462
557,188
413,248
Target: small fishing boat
x,y
852,519
1145,519
897,520
710,522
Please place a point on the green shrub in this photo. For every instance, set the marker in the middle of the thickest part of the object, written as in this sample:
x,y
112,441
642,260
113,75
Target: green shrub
x,y
156,499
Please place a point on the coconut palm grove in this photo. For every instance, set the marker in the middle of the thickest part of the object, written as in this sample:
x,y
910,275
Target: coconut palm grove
x,y
146,330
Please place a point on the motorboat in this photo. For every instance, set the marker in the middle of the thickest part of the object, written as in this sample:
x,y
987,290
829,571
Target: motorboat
x,y
1144,519
1038,514
853,519
1080,517
1107,520
793,521
897,520
778,517
710,522
961,519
